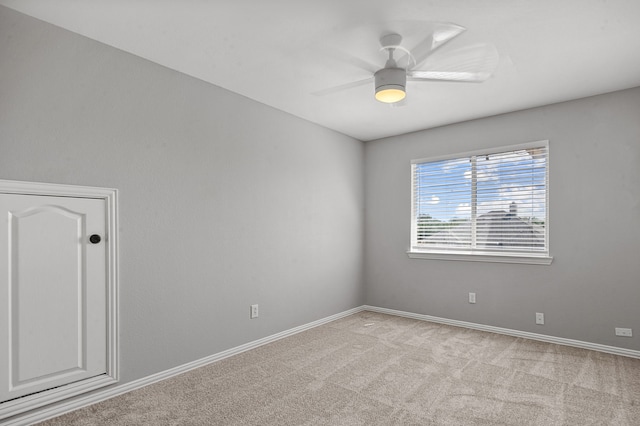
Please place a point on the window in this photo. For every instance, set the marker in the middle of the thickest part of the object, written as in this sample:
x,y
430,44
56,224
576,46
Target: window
x,y
490,206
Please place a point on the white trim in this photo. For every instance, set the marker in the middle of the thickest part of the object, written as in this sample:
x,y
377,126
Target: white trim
x,y
547,219
54,189
113,279
31,402
83,401
112,376
482,257
510,332
488,151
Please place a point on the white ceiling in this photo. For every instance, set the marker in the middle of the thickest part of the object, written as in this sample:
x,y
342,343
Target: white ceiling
x,y
280,52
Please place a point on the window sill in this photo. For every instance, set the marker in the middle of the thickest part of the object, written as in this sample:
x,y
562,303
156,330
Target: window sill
x,y
482,257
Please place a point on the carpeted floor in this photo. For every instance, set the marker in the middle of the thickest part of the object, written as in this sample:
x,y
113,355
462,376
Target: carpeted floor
x,y
375,369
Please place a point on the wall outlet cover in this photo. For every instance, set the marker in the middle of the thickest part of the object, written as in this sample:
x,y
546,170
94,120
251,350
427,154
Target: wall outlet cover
x,y
624,332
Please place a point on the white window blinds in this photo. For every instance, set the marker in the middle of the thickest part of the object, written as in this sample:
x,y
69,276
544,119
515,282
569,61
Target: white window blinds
x,y
493,202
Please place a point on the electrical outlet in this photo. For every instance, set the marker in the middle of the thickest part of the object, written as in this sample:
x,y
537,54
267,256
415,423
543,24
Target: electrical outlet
x,y
472,298
254,311
539,318
624,332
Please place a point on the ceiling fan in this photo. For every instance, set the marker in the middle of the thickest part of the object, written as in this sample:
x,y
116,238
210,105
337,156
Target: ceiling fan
x,y
474,64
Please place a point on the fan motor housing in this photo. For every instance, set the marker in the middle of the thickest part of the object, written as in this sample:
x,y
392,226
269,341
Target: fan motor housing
x,y
391,82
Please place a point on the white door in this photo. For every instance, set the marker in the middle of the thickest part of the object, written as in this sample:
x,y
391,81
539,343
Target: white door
x,y
53,292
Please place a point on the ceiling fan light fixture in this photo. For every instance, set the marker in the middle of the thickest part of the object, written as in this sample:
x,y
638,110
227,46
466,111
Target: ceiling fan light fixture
x,y
390,95
390,85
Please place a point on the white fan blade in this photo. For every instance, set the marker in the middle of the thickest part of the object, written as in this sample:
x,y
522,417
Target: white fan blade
x,y
448,76
342,87
399,104
343,57
471,64
442,33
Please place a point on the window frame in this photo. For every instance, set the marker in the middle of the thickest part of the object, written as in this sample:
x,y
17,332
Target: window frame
x,y
541,258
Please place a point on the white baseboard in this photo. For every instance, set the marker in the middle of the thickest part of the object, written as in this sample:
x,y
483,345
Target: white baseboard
x,y
509,332
65,407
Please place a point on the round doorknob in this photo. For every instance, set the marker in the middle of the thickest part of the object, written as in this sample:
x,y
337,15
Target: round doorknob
x,y
95,239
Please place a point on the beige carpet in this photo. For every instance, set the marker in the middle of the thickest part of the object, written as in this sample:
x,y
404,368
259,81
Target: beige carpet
x,y
374,369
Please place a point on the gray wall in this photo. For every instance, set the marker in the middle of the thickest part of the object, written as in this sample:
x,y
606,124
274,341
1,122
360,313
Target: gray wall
x,y
224,202
593,284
